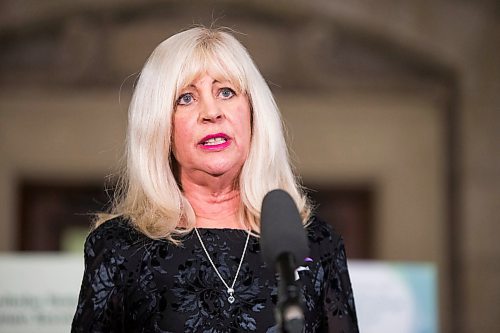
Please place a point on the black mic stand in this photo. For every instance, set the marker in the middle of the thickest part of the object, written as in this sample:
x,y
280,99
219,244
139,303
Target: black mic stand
x,y
289,311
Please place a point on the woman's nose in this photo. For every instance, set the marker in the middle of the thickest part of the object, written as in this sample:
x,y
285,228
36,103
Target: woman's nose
x,y
211,111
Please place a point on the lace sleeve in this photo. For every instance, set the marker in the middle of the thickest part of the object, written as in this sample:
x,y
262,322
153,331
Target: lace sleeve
x,y
338,299
100,304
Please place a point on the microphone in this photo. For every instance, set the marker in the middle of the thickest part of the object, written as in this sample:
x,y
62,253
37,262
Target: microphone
x,y
284,245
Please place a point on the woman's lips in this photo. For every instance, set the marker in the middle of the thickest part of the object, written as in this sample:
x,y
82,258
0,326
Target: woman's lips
x,y
216,141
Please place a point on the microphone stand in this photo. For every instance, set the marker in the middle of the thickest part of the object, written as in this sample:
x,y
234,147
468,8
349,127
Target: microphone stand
x,y
289,312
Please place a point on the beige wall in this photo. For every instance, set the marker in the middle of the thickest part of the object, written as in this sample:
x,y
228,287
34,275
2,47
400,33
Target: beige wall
x,y
52,135
390,140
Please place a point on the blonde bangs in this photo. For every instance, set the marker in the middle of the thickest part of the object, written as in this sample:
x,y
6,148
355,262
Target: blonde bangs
x,y
215,59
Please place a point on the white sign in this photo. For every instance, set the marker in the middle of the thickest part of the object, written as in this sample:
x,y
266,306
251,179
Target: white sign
x,y
395,297
39,293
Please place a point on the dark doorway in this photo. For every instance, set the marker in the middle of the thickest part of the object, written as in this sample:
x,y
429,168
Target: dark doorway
x,y
53,213
350,210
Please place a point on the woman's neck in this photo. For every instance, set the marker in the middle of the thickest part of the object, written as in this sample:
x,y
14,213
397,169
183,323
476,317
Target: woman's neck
x,y
215,206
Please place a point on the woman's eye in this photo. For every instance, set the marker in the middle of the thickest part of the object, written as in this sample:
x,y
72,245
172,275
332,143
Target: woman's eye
x,y
185,99
226,93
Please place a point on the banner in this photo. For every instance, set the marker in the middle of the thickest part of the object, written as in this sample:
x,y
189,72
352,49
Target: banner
x,y
39,293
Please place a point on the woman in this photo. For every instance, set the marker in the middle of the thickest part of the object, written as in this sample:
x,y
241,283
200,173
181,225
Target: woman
x,y
181,252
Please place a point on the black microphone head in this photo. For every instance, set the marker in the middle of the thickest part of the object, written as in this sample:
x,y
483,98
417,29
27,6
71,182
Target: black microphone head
x,y
281,229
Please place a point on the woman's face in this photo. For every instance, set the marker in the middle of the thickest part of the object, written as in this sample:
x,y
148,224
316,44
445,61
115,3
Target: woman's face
x,y
211,128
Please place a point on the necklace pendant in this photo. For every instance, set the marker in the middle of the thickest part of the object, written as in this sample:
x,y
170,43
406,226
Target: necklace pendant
x,y
230,299
230,290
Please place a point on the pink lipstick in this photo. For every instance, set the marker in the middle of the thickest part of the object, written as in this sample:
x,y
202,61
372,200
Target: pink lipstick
x,y
216,142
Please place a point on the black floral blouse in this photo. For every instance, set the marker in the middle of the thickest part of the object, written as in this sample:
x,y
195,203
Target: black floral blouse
x,y
135,284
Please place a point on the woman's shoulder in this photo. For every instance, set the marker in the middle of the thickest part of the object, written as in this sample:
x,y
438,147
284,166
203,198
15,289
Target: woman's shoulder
x,y
116,233
116,227
322,236
319,230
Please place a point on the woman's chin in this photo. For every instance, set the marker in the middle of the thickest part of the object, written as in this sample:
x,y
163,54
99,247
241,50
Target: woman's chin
x,y
223,169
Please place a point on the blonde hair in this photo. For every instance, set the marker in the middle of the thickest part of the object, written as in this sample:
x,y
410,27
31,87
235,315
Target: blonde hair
x,y
148,193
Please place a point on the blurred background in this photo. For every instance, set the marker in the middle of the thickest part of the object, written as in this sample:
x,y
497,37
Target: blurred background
x,y
392,107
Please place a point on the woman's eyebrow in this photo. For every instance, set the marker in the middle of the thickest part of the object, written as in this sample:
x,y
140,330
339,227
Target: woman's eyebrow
x,y
189,86
224,81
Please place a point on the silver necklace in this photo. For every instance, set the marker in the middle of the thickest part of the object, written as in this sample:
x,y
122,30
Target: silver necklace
x,y
230,290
